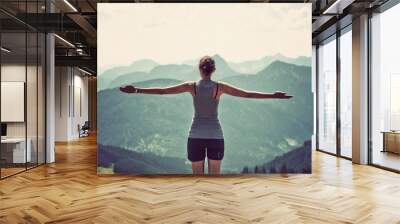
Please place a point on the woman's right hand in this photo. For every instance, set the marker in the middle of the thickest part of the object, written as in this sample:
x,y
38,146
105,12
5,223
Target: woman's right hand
x,y
127,89
281,95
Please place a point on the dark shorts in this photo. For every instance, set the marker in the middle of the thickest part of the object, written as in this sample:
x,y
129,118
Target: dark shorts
x,y
198,149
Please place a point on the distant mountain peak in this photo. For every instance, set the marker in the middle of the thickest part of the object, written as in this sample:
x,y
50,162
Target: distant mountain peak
x,y
143,61
219,58
277,65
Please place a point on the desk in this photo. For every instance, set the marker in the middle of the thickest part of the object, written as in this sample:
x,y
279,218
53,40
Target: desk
x,y
15,148
391,141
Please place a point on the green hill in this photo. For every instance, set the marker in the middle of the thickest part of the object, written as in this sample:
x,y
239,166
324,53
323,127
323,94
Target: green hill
x,y
256,131
128,161
128,78
295,161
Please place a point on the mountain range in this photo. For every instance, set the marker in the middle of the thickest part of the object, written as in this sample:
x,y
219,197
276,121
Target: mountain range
x,y
254,66
148,69
256,131
140,66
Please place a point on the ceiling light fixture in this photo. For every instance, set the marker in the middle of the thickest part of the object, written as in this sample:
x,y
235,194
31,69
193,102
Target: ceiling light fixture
x,y
5,50
64,40
70,5
337,7
84,71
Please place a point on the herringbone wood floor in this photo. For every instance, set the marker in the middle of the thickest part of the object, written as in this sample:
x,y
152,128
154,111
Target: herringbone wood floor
x,y
69,191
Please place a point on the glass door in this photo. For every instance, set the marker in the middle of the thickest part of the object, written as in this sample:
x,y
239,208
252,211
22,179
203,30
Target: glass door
x,y
22,77
14,153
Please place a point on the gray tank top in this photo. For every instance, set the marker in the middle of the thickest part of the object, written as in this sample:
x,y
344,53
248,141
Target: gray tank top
x,y
205,122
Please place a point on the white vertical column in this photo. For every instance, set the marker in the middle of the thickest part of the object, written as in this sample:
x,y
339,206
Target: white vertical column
x,y
314,92
62,103
50,92
50,98
360,90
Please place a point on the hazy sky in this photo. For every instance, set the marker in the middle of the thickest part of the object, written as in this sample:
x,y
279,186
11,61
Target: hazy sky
x,y
173,33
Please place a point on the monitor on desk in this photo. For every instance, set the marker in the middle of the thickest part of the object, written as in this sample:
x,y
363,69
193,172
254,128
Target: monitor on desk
x,y
3,130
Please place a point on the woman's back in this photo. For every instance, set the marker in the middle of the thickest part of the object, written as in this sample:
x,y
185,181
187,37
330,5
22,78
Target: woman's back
x,y
205,121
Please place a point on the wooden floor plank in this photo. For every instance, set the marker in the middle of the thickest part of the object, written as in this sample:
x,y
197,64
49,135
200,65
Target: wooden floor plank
x,y
70,191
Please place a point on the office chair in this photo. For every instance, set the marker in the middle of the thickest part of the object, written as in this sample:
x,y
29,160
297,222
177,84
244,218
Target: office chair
x,y
84,130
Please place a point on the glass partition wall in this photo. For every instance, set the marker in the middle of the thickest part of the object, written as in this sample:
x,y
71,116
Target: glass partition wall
x,y
13,89
385,89
327,95
345,61
334,94
334,105
22,77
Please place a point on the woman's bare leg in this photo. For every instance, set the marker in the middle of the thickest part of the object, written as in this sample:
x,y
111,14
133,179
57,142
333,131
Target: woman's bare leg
x,y
198,167
214,166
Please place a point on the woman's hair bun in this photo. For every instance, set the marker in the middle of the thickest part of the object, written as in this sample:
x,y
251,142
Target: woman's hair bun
x,y
207,65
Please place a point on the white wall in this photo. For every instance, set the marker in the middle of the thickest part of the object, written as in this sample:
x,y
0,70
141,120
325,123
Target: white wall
x,y
79,117
16,73
62,81
33,126
12,73
70,83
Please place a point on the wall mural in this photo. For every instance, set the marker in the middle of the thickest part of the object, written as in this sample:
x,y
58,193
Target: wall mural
x,y
204,88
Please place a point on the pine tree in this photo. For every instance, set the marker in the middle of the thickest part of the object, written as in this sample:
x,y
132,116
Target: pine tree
x,y
283,168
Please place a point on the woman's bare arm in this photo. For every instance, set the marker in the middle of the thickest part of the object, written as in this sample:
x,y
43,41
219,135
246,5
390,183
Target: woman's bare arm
x,y
180,88
235,91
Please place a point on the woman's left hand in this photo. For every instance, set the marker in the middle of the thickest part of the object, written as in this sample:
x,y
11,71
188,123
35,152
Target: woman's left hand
x,y
128,89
